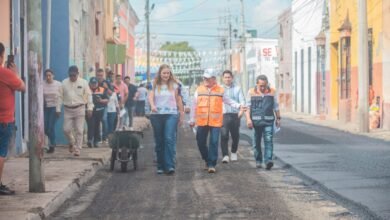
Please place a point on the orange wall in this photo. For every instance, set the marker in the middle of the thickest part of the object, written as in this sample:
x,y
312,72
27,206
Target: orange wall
x,y
4,23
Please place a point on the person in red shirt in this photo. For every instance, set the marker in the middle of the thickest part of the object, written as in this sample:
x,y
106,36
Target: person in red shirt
x,y
9,83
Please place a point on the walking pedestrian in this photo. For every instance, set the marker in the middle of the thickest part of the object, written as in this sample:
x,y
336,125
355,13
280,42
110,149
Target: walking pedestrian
x,y
142,93
100,100
261,115
51,90
231,117
112,109
103,82
130,103
76,97
9,83
165,104
207,114
122,91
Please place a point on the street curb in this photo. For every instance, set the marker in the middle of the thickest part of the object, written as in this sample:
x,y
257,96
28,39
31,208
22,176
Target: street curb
x,y
351,205
339,129
69,191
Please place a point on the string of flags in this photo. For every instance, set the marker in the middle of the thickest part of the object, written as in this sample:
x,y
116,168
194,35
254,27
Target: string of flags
x,y
190,54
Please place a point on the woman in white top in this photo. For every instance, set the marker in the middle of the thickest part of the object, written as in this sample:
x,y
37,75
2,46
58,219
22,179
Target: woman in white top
x,y
165,103
51,89
112,109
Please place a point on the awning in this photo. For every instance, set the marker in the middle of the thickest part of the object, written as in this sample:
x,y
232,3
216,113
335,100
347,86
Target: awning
x,y
116,54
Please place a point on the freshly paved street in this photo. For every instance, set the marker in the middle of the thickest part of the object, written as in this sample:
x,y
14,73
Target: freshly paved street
x,y
237,191
352,168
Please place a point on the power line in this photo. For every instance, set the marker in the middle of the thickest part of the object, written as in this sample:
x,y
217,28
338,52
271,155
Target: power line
x,y
185,11
188,20
190,35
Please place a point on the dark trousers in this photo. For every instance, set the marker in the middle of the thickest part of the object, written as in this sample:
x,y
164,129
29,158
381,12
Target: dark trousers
x,y
50,118
130,111
94,126
231,124
111,117
140,108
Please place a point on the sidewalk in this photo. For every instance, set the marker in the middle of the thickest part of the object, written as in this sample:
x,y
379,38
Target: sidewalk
x,y
347,127
64,175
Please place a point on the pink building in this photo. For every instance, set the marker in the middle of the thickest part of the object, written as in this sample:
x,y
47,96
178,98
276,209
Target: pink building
x,y
125,19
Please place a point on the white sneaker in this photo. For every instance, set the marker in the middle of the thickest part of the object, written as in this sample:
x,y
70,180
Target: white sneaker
x,y
225,159
233,156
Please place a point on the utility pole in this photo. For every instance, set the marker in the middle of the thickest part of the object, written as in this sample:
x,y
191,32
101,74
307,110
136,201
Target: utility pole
x,y
244,78
363,67
35,97
147,13
230,45
48,34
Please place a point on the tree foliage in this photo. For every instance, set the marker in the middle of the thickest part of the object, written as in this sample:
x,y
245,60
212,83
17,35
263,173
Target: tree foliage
x,y
177,46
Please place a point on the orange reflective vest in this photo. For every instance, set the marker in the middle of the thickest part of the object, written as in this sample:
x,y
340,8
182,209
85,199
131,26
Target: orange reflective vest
x,y
209,106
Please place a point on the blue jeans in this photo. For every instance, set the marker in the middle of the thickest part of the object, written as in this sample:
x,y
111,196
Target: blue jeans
x,y
209,154
267,133
164,130
6,130
111,116
130,112
50,118
104,124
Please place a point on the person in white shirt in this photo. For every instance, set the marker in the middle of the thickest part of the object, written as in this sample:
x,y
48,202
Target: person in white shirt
x,y
112,109
51,90
76,97
142,93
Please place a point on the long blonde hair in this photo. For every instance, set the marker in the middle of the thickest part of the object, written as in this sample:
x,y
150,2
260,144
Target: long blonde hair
x,y
157,80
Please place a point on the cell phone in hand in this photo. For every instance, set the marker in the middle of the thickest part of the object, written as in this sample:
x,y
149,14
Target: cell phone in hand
x,y
10,60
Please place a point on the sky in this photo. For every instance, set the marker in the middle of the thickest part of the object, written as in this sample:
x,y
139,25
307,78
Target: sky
x,y
200,22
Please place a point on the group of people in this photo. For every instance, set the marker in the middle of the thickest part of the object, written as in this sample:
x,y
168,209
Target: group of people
x,y
112,102
216,112
108,101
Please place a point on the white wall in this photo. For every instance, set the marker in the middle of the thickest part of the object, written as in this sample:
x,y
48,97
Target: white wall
x,y
386,64
306,24
265,58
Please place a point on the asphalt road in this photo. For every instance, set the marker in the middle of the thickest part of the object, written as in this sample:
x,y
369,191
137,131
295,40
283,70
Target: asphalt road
x,y
353,169
237,191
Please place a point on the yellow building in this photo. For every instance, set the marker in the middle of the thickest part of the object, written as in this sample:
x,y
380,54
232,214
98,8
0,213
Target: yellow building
x,y
344,56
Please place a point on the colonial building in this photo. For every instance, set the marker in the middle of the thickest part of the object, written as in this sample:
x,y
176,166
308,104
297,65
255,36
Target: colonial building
x,y
344,50
307,23
284,76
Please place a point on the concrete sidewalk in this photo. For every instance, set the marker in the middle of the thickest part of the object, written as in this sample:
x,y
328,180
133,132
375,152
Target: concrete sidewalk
x,y
64,175
347,127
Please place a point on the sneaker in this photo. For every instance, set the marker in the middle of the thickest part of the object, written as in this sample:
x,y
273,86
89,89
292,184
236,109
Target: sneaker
x,y
233,156
160,171
51,150
4,190
225,159
258,165
211,170
269,165
71,148
76,153
89,144
171,171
